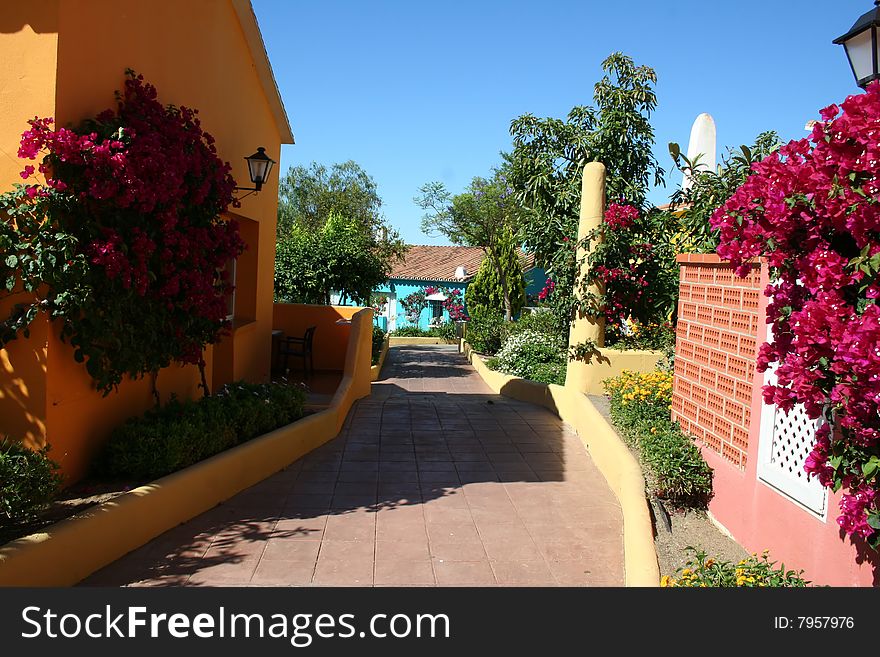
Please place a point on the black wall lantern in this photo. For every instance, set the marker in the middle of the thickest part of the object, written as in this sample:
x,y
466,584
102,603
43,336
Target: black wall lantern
x,y
861,46
259,167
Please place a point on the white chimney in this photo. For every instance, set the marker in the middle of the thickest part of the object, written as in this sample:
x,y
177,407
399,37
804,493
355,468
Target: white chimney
x,y
460,272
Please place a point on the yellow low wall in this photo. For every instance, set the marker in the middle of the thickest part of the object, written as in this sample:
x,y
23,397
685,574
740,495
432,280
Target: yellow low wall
x,y
611,363
72,549
376,369
611,456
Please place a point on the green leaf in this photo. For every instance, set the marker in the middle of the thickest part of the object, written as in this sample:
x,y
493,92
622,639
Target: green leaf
x,y
11,260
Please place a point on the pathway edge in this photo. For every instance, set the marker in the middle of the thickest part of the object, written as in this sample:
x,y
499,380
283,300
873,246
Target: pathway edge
x,y
614,460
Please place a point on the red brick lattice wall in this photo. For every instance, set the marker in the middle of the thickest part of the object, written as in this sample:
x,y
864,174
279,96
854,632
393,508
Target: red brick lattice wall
x,y
715,352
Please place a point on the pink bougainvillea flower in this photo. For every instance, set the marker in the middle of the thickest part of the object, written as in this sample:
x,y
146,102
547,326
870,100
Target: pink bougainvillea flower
x,y
810,210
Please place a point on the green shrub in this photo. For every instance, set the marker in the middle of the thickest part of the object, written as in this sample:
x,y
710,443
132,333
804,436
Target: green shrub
x,y
485,331
652,336
29,480
180,433
446,331
534,356
542,321
378,342
702,571
486,293
640,409
680,474
410,332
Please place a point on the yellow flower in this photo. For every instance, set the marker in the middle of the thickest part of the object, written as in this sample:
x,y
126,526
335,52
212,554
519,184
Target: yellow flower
x,y
686,571
710,563
666,581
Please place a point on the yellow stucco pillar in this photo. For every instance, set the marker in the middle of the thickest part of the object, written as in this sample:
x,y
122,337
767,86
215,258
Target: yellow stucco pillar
x,y
579,374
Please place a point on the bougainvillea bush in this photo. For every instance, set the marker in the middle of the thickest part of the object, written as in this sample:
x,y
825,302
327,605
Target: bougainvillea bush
x,y
812,210
632,264
117,232
453,303
413,305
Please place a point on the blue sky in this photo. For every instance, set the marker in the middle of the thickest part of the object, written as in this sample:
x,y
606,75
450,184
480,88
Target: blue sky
x,y
416,91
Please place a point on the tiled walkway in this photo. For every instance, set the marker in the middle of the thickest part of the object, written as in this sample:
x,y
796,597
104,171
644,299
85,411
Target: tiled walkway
x,y
433,481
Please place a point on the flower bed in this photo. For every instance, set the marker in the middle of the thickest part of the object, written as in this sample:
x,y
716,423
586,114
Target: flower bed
x,y
179,434
752,572
161,442
640,405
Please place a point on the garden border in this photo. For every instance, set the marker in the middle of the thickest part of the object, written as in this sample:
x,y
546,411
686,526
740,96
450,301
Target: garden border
x,y
611,456
376,370
72,549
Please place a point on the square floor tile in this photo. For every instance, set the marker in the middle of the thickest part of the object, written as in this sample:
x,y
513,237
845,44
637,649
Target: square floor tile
x,y
283,573
464,573
404,573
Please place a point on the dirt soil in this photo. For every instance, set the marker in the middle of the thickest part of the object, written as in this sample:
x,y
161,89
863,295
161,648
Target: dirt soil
x,y
72,501
676,530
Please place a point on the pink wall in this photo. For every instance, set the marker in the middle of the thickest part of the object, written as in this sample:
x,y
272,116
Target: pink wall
x,y
761,518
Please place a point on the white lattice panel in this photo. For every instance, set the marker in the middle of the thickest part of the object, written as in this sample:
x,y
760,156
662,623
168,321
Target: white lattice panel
x,y
793,436
785,442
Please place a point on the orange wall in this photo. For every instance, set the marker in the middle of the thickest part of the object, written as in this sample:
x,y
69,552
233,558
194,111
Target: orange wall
x,y
22,380
66,59
331,339
28,50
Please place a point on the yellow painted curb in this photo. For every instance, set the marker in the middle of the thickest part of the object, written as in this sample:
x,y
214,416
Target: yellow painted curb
x,y
71,550
376,369
609,453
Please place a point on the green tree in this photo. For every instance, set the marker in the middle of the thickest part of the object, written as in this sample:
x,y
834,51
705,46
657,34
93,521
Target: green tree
x,y
710,189
486,293
484,216
339,257
307,196
549,156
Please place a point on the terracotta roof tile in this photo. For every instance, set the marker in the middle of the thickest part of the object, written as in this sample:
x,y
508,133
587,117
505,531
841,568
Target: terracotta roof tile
x,y
438,263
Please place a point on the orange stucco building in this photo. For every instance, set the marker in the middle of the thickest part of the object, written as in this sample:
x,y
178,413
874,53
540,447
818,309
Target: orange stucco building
x,y
65,59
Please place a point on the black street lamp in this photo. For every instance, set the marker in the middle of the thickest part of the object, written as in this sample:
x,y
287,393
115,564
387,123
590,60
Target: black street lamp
x,y
861,46
259,166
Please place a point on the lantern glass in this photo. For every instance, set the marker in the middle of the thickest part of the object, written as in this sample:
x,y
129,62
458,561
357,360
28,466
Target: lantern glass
x,y
259,166
860,51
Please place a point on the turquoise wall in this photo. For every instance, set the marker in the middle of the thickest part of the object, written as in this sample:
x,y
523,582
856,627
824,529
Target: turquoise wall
x,y
403,288
535,280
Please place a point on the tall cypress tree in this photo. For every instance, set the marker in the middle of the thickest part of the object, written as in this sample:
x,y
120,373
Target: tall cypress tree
x,y
485,293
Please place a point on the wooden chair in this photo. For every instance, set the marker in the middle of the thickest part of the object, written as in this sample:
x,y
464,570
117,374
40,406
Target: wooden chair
x,y
299,348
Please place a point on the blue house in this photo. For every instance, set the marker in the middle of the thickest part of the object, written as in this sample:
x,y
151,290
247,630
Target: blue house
x,y
449,267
